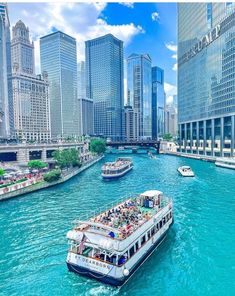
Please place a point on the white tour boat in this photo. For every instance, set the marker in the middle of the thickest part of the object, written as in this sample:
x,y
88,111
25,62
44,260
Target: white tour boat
x,y
225,162
112,170
186,171
111,246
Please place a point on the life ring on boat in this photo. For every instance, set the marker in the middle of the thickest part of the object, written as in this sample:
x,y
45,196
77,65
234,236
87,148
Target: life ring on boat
x,y
126,272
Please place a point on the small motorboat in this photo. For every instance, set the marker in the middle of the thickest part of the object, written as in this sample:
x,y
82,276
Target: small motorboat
x,y
185,171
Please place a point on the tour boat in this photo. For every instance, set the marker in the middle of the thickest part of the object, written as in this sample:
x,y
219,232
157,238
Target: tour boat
x,y
225,162
186,171
119,168
113,244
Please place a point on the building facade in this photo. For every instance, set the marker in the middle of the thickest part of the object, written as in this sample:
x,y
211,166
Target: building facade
x,y
30,110
5,71
58,55
206,78
171,120
158,103
130,123
104,79
139,94
86,111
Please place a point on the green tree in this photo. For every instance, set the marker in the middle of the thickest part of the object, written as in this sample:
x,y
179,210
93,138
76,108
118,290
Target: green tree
x,y
2,172
36,164
167,137
97,146
75,160
66,158
52,176
59,158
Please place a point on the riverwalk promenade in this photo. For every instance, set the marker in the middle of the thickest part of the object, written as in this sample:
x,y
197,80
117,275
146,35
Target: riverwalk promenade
x,y
193,156
30,186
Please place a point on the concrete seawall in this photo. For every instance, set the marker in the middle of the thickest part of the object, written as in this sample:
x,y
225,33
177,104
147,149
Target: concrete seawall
x,y
193,156
43,184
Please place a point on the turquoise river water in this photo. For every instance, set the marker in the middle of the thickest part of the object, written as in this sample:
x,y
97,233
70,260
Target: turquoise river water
x,y
197,257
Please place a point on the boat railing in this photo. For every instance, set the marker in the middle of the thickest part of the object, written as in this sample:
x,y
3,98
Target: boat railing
x,y
89,214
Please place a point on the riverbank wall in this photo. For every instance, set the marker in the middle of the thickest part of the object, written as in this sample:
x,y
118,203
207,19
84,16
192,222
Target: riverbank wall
x,y
193,156
42,185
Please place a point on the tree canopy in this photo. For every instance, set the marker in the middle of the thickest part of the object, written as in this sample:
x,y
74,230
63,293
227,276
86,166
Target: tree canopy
x,y
66,158
167,137
98,146
36,164
51,176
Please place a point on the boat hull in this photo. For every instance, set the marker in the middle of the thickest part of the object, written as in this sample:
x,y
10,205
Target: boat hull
x,y
226,166
116,176
116,281
191,174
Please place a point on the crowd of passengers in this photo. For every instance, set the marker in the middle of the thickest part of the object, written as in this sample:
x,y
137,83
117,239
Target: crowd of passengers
x,y
126,217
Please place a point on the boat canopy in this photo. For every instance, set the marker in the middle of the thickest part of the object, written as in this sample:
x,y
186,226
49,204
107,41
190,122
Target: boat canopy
x,y
151,193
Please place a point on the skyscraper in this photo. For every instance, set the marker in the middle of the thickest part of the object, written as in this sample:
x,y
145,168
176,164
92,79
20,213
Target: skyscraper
x,y
30,103
139,94
206,81
81,80
104,68
158,103
59,59
5,70
86,112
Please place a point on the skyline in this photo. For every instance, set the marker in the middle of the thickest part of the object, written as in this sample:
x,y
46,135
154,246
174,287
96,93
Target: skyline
x,y
152,34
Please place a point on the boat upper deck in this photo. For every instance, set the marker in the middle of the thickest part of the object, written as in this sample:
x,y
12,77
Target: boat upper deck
x,y
122,220
118,164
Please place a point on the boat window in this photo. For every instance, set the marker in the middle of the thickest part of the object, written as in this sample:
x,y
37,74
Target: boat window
x,y
137,246
132,251
149,235
143,240
160,224
152,231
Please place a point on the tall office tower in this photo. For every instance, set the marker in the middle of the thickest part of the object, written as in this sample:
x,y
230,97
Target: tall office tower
x,y
171,120
129,124
86,111
31,114
206,81
81,80
85,104
139,94
104,70
158,103
59,59
22,49
5,71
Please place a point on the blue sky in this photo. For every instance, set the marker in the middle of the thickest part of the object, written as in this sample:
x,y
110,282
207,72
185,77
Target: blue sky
x,y
144,28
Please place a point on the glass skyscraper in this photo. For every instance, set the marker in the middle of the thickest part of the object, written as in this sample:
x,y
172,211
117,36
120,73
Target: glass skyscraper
x,y
206,78
104,78
139,94
59,59
5,71
158,103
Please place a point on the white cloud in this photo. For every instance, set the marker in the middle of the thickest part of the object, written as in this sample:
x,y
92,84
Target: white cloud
x,y
169,99
81,20
171,46
155,16
170,89
175,67
127,4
